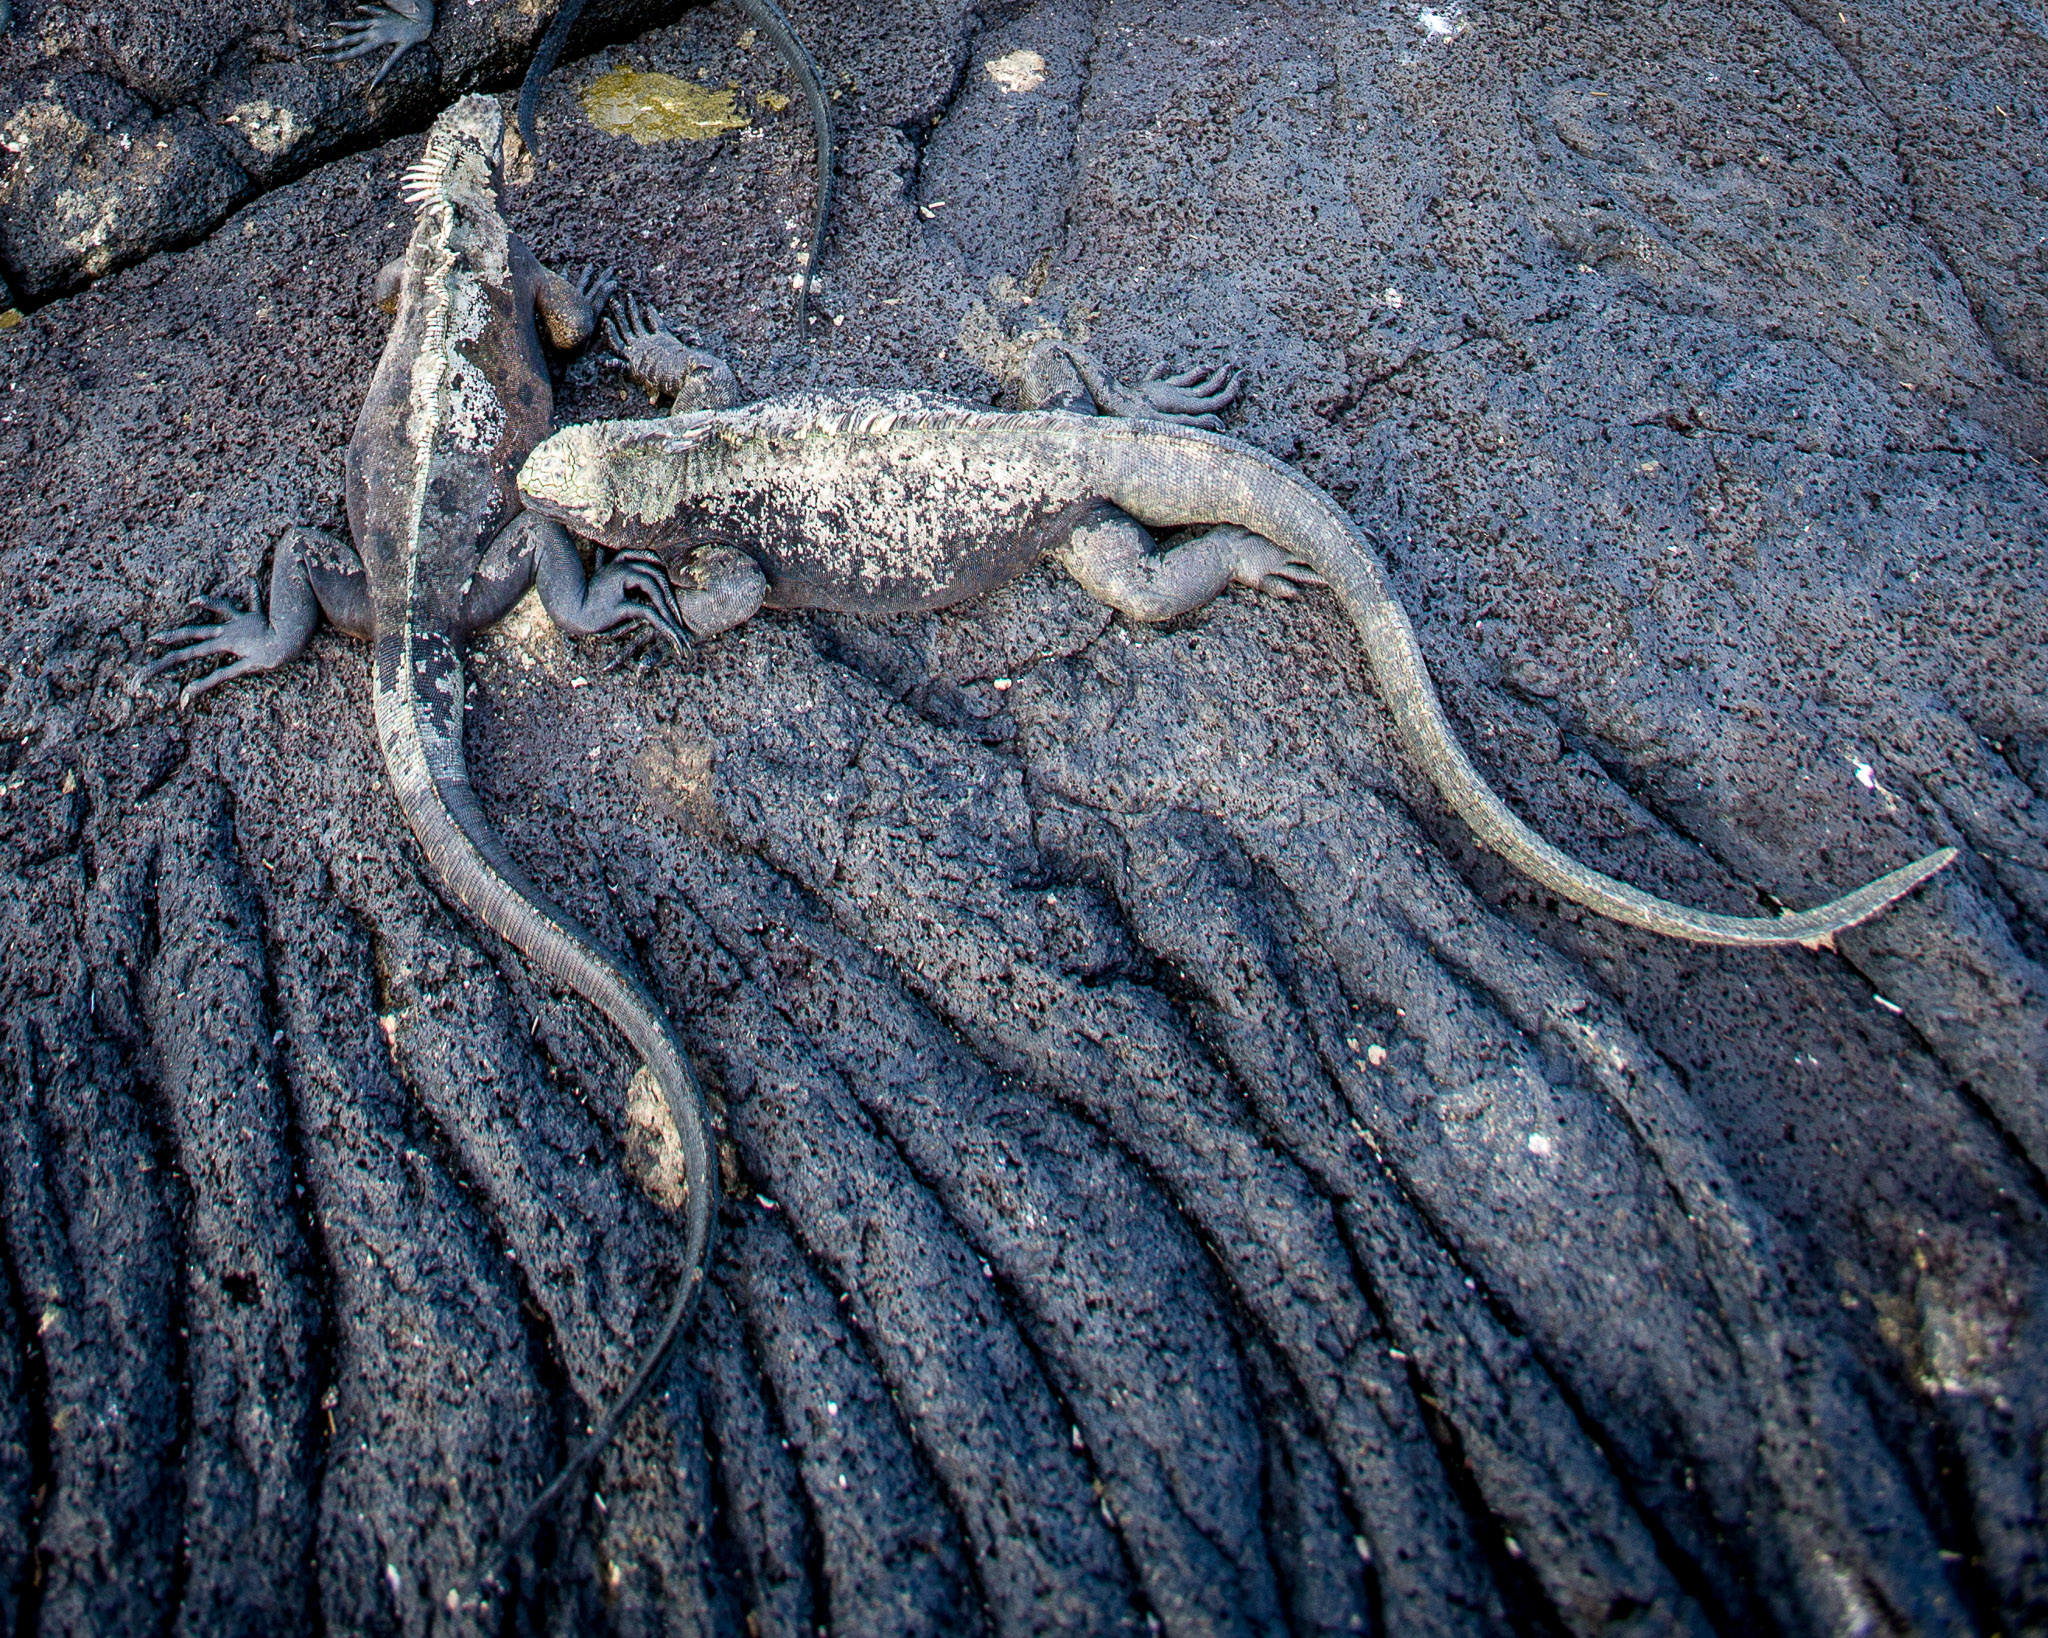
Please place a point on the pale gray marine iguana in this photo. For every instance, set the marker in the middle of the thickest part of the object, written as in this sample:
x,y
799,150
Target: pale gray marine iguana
x,y
403,24
887,502
442,549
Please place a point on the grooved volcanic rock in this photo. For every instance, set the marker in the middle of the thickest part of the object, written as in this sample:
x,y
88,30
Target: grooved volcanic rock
x,y
1173,1178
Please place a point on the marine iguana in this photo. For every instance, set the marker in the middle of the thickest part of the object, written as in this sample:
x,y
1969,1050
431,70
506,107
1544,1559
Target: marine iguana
x,y
442,549
403,24
887,502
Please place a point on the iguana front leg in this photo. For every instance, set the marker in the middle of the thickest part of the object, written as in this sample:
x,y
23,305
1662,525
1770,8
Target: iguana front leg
x,y
533,551
310,574
664,365
568,308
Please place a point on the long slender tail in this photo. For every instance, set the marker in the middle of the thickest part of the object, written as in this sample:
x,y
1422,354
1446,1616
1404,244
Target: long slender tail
x,y
1173,483
545,56
769,19
428,775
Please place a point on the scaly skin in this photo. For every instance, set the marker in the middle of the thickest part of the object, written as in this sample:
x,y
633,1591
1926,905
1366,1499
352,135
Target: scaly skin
x,y
881,503
459,398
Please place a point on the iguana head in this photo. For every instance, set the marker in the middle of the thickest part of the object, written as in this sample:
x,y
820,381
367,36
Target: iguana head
x,y
619,483
463,160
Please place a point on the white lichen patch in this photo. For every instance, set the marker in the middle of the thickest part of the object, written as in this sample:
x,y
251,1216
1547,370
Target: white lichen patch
x,y
475,418
267,128
87,224
1016,72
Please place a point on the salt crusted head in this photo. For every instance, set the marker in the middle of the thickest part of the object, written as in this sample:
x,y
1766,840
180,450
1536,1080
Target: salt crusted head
x,y
619,483
463,161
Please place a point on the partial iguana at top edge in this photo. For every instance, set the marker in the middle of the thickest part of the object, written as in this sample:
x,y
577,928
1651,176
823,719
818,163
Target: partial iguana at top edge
x,y
442,549
403,24
885,502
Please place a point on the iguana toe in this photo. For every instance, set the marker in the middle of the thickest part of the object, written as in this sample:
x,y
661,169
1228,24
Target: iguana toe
x,y
371,28
1203,390
1192,397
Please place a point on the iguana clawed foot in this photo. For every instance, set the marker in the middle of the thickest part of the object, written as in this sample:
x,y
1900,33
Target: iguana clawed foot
x,y
247,634
400,24
663,364
608,601
597,285
1191,398
1195,397
1261,565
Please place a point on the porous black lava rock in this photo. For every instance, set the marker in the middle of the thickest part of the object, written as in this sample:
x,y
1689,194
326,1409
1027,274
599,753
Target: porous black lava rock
x,y
1174,1180
138,125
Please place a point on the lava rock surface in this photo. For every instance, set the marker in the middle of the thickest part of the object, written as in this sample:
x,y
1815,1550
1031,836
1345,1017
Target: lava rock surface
x,y
1174,1180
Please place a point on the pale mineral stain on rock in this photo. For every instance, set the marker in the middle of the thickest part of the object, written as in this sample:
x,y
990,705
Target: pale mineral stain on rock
x,y
659,107
268,129
654,1150
1017,71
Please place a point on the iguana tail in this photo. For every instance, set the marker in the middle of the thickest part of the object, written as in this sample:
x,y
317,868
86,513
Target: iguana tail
x,y
769,19
420,731
1185,476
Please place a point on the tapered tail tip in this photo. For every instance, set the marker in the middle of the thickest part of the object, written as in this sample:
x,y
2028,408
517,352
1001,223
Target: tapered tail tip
x,y
1852,909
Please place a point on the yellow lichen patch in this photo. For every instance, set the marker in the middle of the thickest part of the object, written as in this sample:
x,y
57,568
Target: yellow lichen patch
x,y
10,318
659,107
773,101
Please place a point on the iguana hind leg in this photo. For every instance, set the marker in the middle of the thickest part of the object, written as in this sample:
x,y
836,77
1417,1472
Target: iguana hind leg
x,y
311,574
1056,375
1116,561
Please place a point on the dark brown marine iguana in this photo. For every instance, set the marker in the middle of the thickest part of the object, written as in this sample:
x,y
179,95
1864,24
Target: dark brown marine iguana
x,y
403,24
442,550
880,503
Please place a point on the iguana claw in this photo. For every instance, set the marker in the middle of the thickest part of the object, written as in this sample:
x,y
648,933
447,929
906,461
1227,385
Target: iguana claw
x,y
663,364
1190,398
246,634
1193,397
607,605
1265,567
400,24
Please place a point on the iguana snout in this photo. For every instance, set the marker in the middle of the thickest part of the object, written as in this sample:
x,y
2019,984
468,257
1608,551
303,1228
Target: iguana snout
x,y
584,478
